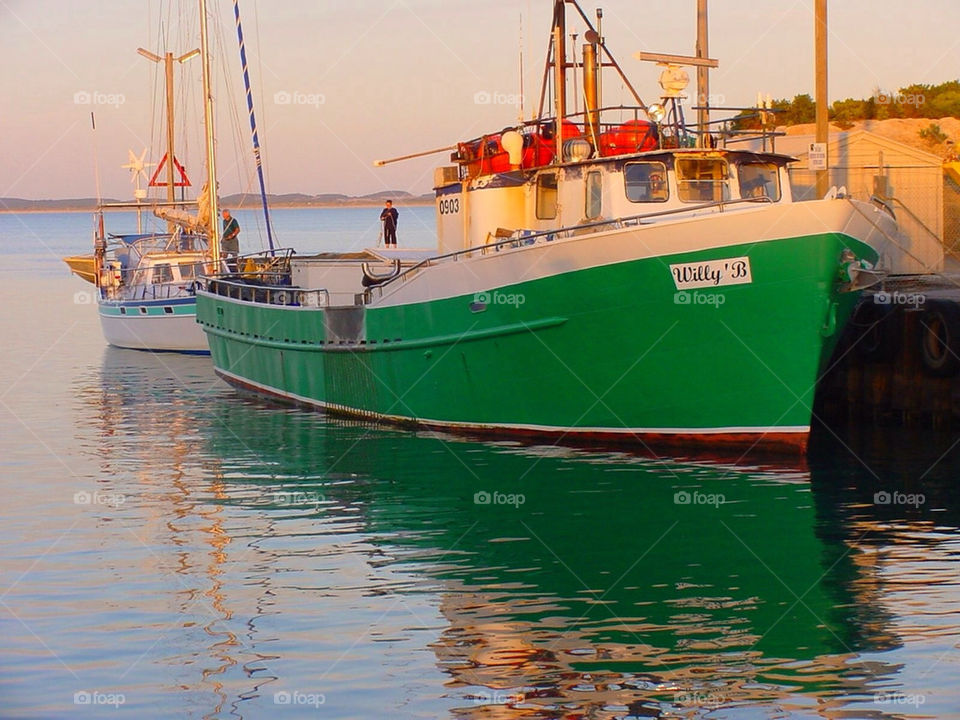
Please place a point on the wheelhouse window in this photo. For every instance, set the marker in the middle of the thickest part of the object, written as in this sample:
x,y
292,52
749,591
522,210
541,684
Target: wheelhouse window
x,y
760,179
162,274
188,271
594,199
646,182
547,196
702,180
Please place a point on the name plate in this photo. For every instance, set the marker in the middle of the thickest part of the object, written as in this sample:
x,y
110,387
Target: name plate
x,y
711,273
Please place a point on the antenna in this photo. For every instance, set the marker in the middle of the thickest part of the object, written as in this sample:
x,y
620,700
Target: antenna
x,y
96,163
520,113
599,43
576,100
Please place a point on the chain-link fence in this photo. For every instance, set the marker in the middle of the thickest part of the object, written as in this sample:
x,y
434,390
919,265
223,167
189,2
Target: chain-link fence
x,y
928,213
951,218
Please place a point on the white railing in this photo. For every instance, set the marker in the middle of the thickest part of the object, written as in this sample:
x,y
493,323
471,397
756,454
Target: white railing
x,y
259,290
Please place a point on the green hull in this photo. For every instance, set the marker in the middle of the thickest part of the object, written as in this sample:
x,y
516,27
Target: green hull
x,y
612,352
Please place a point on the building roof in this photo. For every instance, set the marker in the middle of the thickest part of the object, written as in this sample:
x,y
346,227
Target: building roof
x,y
841,143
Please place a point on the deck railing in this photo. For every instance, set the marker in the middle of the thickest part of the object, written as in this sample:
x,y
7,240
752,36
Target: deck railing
x,y
267,288
149,291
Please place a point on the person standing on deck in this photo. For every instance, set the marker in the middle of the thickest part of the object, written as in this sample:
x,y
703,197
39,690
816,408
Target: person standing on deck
x,y
389,218
230,243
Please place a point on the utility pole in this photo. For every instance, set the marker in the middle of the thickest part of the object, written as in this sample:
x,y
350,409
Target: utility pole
x,y
703,72
823,128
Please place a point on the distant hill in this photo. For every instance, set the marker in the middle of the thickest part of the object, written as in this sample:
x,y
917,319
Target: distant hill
x,y
238,200
22,205
939,136
327,199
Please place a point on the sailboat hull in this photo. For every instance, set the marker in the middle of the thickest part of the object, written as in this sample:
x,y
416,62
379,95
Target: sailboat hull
x,y
609,351
157,326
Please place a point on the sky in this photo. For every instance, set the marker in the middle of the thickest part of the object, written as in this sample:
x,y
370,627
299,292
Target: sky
x,y
339,84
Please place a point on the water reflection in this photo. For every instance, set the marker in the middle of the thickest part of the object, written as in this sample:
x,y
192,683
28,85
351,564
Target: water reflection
x,y
599,590
544,582
147,408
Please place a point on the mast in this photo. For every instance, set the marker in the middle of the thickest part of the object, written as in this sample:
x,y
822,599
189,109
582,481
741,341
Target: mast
x,y
214,229
253,124
167,61
560,59
559,87
168,77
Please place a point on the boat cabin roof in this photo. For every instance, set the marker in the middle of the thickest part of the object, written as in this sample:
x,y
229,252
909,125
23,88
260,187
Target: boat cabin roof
x,y
662,155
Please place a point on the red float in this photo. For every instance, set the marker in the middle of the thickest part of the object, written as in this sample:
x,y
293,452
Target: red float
x,y
631,137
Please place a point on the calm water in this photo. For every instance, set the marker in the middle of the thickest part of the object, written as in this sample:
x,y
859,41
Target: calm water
x,y
173,550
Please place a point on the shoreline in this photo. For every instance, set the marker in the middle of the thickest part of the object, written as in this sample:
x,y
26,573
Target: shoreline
x,y
282,206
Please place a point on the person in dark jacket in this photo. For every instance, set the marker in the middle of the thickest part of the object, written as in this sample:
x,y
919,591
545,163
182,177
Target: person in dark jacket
x,y
389,218
230,241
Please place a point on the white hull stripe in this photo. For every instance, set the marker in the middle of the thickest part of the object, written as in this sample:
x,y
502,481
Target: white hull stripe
x,y
732,430
161,333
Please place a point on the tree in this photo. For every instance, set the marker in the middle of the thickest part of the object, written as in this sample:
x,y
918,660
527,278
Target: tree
x,y
845,112
943,104
802,110
933,134
913,101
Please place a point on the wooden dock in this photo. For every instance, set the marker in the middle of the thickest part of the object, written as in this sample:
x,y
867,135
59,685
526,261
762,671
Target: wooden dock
x,y
898,361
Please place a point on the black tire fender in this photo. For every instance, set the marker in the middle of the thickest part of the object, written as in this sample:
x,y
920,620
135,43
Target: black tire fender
x,y
940,338
873,331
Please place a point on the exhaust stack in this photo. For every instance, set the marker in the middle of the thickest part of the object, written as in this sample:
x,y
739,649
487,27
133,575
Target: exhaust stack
x,y
591,90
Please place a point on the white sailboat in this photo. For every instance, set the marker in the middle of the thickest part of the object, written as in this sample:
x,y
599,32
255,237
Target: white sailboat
x,y
145,280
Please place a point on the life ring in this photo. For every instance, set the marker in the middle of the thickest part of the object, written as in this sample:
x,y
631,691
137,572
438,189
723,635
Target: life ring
x,y
940,339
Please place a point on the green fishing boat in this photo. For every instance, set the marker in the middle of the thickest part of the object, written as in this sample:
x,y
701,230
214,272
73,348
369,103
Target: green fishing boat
x,y
610,275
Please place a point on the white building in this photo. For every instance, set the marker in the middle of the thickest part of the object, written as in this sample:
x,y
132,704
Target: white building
x,y
867,164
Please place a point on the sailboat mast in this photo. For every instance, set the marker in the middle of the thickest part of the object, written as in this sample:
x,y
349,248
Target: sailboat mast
x,y
253,124
167,61
168,78
214,230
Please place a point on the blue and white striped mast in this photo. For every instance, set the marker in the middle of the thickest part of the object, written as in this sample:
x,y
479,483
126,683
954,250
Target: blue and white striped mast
x,y
253,123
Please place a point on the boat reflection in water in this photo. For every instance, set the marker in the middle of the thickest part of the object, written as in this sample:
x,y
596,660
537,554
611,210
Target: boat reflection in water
x,y
556,582
146,410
